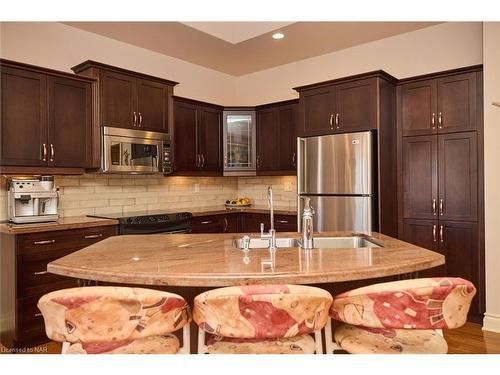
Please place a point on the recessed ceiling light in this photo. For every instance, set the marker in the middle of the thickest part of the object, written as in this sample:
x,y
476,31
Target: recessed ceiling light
x,y
278,36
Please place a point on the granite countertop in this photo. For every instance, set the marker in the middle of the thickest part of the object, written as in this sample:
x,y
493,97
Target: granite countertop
x,y
212,260
61,224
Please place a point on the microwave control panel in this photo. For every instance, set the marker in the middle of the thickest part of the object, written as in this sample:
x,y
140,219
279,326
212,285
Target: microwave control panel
x,y
167,158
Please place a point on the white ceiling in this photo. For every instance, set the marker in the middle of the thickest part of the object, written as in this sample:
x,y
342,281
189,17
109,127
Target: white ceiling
x,y
236,32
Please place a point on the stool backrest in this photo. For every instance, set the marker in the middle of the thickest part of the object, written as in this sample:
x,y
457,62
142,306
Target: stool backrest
x,y
262,311
110,314
428,303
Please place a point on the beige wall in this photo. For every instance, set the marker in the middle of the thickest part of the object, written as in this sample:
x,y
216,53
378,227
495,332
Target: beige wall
x,y
57,46
491,46
92,194
436,48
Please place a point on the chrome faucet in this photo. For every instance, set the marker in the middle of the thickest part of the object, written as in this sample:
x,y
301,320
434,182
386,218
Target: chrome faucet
x,y
307,241
272,232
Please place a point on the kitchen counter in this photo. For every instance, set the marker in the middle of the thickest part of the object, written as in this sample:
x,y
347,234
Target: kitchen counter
x,y
61,224
211,260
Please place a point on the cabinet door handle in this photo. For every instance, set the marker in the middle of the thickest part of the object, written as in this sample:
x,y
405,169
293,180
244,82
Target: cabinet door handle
x,y
258,161
43,152
440,120
207,222
225,161
441,234
433,120
40,273
282,221
441,207
197,160
91,236
293,159
337,121
434,206
331,121
202,160
38,315
44,242
52,152
226,224
140,119
134,117
434,230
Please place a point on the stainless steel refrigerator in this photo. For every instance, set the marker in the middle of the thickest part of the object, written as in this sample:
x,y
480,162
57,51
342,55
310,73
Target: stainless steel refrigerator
x,y
337,172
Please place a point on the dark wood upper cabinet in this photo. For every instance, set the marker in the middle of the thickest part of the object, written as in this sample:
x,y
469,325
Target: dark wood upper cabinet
x,y
70,123
419,108
209,130
46,119
441,105
287,117
344,105
458,182
152,102
356,106
420,181
197,138
277,138
185,137
127,99
267,139
118,100
317,107
457,103
24,118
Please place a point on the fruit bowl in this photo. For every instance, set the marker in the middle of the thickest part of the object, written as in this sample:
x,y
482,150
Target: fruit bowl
x,y
238,202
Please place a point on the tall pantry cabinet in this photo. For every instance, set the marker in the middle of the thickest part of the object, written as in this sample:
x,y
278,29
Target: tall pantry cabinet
x,y
440,127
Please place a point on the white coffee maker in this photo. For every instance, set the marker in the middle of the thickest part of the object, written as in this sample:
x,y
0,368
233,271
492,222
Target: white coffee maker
x,y
32,201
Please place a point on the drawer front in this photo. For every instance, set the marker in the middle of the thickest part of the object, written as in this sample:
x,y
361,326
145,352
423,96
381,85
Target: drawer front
x,y
30,322
285,223
33,277
231,223
33,246
207,224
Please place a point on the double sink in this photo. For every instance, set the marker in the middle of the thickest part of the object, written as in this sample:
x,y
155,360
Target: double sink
x,y
352,242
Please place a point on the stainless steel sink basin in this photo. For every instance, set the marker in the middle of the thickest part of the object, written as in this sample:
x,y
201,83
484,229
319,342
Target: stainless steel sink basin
x,y
319,242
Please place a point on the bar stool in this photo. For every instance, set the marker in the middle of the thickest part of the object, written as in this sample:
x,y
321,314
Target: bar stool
x,y
261,319
116,320
399,317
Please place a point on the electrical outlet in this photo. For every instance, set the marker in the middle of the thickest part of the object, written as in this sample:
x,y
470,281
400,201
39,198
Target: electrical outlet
x,y
196,188
288,186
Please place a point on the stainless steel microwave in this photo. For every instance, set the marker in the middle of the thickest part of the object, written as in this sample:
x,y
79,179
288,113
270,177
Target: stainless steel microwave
x,y
135,151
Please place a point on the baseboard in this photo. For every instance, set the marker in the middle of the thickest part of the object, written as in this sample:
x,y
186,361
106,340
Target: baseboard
x,y
491,322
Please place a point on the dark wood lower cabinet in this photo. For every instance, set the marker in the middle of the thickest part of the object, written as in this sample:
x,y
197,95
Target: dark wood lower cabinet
x,y
25,279
459,243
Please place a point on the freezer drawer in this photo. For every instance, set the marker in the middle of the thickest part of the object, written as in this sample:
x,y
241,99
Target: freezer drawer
x,y
334,213
336,164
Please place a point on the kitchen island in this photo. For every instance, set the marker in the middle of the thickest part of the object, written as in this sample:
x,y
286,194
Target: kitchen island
x,y
213,260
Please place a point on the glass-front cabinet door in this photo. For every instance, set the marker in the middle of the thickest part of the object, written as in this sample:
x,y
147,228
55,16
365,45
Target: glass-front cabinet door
x,y
239,143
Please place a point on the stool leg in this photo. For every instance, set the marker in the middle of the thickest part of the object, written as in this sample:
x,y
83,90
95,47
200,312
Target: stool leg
x,y
186,339
328,337
318,341
202,348
65,347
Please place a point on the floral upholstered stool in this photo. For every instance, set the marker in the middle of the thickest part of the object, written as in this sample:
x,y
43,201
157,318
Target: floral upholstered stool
x,y
399,317
261,319
94,320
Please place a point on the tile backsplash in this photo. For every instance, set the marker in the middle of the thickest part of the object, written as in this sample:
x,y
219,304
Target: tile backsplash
x,y
98,194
